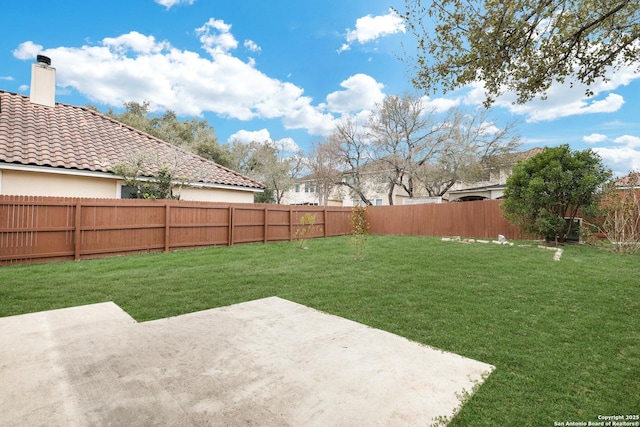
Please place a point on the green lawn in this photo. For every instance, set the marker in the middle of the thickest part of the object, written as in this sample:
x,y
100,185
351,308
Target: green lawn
x,y
564,336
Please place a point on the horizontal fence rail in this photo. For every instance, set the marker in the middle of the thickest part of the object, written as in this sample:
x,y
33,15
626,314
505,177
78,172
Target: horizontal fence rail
x,y
40,229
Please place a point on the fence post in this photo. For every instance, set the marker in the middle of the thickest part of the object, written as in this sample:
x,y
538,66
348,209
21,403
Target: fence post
x,y
167,226
231,211
266,224
325,221
78,228
290,223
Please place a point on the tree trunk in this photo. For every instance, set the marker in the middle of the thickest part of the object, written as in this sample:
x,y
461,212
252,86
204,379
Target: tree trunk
x,y
392,186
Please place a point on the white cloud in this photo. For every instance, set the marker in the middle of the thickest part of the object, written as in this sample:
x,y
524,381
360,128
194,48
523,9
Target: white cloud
x,y
135,42
304,116
138,67
612,103
563,99
248,136
252,46
216,37
344,47
27,50
362,92
594,138
620,160
439,105
628,141
170,3
7,78
287,145
623,158
369,28
23,88
488,128
614,124
559,106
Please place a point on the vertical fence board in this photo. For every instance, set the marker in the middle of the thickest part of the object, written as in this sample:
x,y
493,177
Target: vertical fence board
x,y
266,224
167,227
77,232
232,226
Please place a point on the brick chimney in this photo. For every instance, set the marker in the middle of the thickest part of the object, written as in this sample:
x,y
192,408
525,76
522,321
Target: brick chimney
x,y
43,82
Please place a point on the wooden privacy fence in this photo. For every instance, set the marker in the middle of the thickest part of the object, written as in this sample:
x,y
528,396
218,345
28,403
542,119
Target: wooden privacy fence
x,y
480,219
36,229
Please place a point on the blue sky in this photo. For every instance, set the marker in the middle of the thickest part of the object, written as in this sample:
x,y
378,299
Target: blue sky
x,y
281,70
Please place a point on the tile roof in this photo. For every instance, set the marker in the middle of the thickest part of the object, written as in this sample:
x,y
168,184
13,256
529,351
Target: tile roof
x,y
631,180
526,155
513,158
79,138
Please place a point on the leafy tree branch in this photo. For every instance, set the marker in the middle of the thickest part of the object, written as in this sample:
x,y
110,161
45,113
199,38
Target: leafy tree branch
x,y
520,45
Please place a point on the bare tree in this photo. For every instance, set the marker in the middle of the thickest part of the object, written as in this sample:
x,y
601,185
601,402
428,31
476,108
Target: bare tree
x,y
469,145
405,138
288,168
324,170
349,146
407,146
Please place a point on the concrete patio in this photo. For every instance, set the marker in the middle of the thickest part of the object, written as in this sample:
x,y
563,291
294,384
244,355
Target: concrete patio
x,y
266,362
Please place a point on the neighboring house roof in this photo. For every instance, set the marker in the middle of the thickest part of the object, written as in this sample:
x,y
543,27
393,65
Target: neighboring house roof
x,y
490,191
78,138
631,180
525,155
479,188
313,177
375,166
513,158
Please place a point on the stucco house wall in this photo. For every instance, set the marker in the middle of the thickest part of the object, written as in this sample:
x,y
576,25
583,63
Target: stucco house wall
x,y
305,192
30,183
33,183
214,195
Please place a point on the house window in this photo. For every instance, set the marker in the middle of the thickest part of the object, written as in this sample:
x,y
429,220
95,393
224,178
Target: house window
x,y
297,188
128,192
377,202
312,187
